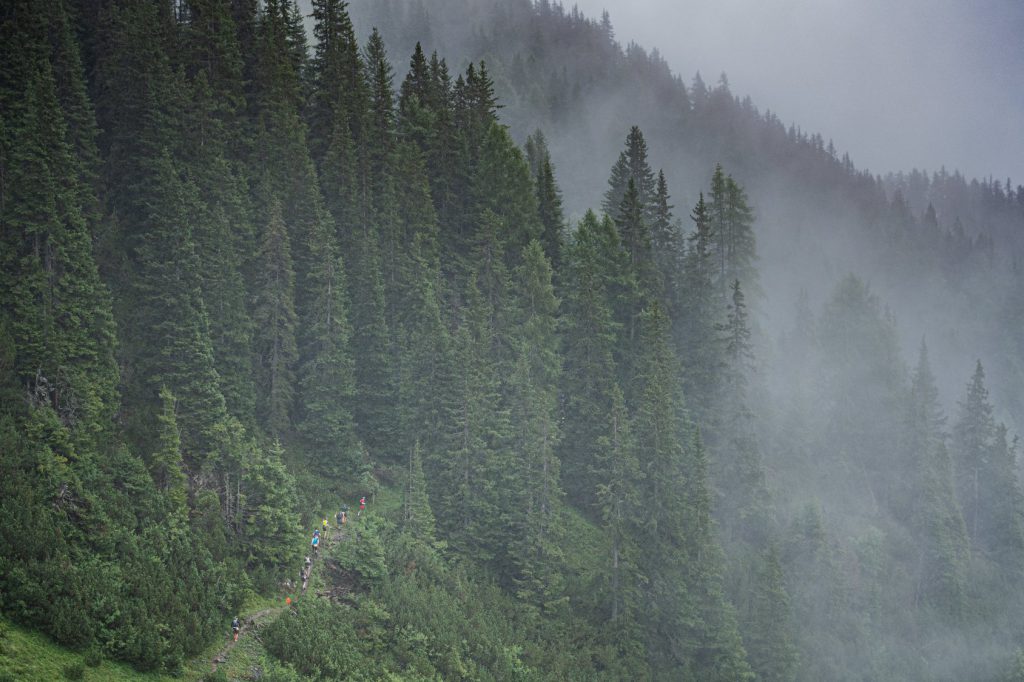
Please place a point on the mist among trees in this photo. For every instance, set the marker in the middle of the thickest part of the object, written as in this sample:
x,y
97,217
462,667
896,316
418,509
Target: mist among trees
x,y
641,382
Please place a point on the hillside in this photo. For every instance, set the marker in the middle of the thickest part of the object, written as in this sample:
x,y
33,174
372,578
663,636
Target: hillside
x,y
638,382
819,217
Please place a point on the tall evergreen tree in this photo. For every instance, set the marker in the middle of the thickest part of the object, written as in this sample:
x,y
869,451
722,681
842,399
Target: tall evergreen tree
x,y
533,475
417,517
165,465
375,381
933,509
690,625
326,375
214,114
169,331
618,498
594,266
339,88
632,165
549,198
275,349
773,654
59,311
742,502
667,248
475,431
732,236
694,331
986,481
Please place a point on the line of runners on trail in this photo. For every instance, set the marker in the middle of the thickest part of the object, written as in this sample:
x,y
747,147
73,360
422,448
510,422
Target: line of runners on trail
x,y
342,518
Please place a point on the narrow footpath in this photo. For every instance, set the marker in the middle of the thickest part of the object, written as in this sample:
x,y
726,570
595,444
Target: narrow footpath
x,y
251,623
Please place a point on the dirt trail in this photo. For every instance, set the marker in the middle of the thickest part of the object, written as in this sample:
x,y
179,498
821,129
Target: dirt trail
x,y
250,622
253,621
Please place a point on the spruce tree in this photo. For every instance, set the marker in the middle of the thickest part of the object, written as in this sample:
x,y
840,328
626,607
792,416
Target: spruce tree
x,y
534,493
169,331
632,165
666,248
773,654
224,227
339,89
742,504
594,262
933,508
694,331
732,236
618,498
417,517
165,464
689,624
275,351
549,198
59,310
986,481
268,517
424,364
475,430
375,381
326,376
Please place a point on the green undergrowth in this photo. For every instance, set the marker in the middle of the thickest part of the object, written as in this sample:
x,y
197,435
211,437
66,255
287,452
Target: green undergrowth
x,y
405,612
28,656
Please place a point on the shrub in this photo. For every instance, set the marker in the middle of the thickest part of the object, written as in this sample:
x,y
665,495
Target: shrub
x,y
74,671
93,657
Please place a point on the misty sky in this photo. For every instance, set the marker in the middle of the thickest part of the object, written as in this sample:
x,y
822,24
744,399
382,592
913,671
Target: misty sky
x,y
896,83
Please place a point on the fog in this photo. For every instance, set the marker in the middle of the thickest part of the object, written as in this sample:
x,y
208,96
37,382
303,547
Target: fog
x,y
916,84
898,85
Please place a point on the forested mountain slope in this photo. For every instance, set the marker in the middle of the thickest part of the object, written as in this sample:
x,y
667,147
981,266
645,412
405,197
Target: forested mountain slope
x,y
818,215
249,274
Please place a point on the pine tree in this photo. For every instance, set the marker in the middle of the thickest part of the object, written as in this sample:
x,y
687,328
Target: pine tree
x,y
666,248
339,89
268,518
632,165
773,654
594,264
223,230
501,186
424,364
169,333
742,504
694,331
214,115
618,499
165,464
534,494
375,381
380,131
275,350
688,621
933,508
326,374
986,480
732,237
864,373
549,198
475,430
60,311
417,517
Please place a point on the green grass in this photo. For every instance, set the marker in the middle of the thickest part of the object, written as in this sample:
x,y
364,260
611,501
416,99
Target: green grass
x,y
29,656
244,655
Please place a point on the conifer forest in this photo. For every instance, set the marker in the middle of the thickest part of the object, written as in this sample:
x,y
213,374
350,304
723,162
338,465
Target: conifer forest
x,y
634,380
